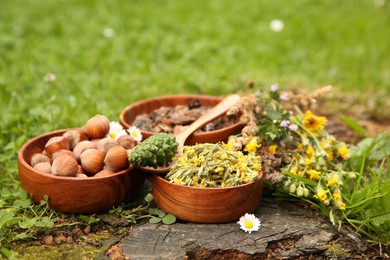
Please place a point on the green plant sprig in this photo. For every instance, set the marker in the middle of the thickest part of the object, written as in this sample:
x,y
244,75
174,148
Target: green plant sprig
x,y
133,215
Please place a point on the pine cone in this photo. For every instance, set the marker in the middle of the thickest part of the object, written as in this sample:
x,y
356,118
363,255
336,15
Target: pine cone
x,y
157,150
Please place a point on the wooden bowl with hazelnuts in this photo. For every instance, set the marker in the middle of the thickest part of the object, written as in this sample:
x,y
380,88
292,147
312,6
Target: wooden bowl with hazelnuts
x,y
79,169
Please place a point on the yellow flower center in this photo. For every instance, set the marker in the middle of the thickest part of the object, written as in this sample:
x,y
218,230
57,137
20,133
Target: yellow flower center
x,y
112,135
249,224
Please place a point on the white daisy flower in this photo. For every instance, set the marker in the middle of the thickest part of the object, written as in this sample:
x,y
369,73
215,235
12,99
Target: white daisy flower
x,y
49,77
249,223
135,133
108,32
116,130
276,25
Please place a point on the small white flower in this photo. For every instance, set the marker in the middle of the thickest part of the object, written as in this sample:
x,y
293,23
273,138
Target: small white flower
x,y
379,3
49,77
293,127
116,131
274,87
249,223
276,25
135,133
284,96
285,123
108,32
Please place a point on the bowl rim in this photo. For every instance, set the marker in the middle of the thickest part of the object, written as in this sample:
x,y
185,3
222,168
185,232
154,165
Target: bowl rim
x,y
123,112
260,179
30,142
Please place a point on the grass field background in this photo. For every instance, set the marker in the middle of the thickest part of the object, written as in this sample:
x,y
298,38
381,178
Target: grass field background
x,y
108,54
161,47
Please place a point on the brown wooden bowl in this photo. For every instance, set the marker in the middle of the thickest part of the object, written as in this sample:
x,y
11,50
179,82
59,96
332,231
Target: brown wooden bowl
x,y
128,115
207,205
72,194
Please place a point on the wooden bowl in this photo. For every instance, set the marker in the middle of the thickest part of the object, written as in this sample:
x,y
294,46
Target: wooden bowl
x,y
207,205
72,194
128,115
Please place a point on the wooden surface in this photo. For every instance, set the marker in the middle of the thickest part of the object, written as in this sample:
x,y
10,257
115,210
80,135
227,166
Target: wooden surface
x,y
288,231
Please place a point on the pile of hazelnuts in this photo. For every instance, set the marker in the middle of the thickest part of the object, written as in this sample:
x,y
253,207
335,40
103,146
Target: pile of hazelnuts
x,y
85,152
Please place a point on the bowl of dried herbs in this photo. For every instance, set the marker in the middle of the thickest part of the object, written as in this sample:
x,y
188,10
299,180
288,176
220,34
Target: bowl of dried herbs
x,y
210,184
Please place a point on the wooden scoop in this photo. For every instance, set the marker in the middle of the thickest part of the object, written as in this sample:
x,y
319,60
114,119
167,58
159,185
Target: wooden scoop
x,y
181,137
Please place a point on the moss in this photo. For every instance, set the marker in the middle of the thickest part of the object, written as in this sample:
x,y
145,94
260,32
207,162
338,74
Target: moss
x,y
85,247
65,251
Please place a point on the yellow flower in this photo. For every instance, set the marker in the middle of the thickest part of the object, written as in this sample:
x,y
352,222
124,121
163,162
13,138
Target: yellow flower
x,y
321,194
330,154
300,146
344,152
272,148
307,161
310,151
313,123
228,145
333,181
252,146
337,195
314,175
340,204
293,171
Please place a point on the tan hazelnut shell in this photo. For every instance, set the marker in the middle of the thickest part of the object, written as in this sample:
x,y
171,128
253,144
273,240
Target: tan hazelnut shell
x,y
43,167
38,158
75,136
92,161
97,127
55,144
81,147
65,165
116,159
106,144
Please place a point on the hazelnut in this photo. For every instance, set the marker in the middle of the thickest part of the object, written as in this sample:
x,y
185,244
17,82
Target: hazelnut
x,y
106,144
75,136
43,167
116,159
65,165
59,152
56,143
92,161
97,127
38,158
103,172
81,147
127,141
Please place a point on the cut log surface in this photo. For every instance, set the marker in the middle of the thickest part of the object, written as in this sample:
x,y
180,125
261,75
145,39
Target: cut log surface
x,y
286,232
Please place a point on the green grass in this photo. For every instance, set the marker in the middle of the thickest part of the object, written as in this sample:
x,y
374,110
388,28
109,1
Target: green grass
x,y
169,47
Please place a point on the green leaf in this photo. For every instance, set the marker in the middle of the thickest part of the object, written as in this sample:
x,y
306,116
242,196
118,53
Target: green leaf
x,y
153,211
154,220
45,222
161,213
22,203
354,125
5,217
89,219
169,219
27,223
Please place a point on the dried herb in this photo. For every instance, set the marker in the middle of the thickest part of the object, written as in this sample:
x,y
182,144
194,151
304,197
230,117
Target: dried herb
x,y
212,165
